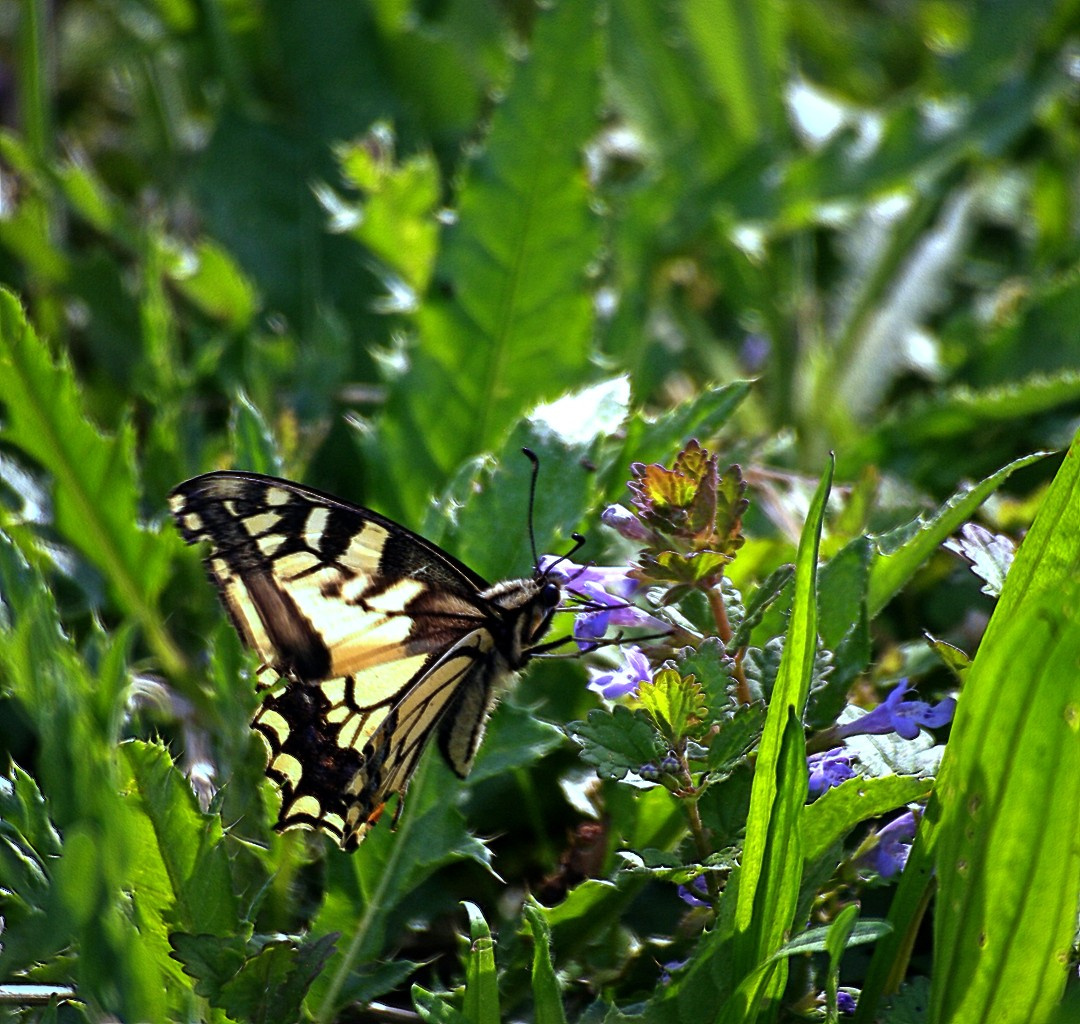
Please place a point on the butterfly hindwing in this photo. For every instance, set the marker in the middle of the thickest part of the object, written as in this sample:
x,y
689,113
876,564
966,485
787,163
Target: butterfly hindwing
x,y
379,638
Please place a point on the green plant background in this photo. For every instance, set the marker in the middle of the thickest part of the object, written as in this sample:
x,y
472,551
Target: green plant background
x,y
371,246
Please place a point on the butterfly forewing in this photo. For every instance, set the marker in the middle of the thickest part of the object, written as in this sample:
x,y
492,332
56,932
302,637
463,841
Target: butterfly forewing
x,y
380,639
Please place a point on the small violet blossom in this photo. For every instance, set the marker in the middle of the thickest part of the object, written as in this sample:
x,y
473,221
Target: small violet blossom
x,y
694,892
829,768
845,1003
890,853
897,715
612,683
625,523
606,590
670,967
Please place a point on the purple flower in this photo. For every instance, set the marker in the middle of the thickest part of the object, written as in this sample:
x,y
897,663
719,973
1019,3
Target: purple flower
x,y
829,768
613,683
897,715
604,591
614,579
669,967
890,853
690,893
625,523
606,611
845,1003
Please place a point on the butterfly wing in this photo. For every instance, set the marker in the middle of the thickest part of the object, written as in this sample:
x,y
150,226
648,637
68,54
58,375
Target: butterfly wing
x,y
381,638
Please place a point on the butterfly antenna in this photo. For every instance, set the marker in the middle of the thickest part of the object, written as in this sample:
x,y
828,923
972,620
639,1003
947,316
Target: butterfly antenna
x,y
531,456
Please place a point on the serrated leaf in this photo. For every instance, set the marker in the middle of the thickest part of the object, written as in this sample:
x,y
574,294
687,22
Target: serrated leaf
x,y
434,1009
989,555
187,843
675,703
511,323
95,500
396,215
891,571
617,741
363,893
210,959
691,569
653,440
738,733
712,667
270,986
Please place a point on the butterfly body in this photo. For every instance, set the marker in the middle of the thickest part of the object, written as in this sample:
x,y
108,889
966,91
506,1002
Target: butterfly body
x,y
378,639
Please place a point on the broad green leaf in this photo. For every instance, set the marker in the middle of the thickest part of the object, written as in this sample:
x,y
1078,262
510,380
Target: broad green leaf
x,y
481,1001
1044,569
517,326
95,500
1008,862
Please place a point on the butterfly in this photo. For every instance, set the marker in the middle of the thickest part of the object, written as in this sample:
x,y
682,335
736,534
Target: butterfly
x,y
377,640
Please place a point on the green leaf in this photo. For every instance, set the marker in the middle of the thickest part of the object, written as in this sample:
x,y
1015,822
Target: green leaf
x,y
547,998
363,893
434,1009
95,500
839,935
481,1001
654,438
675,704
1006,845
831,817
1044,569
712,667
891,571
617,741
253,444
262,979
210,277
738,732
765,595
396,215
518,327
184,842
514,739
772,853
210,959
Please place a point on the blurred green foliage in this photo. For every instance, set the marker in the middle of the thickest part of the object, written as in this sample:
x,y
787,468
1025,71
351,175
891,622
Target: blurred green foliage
x,y
373,245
